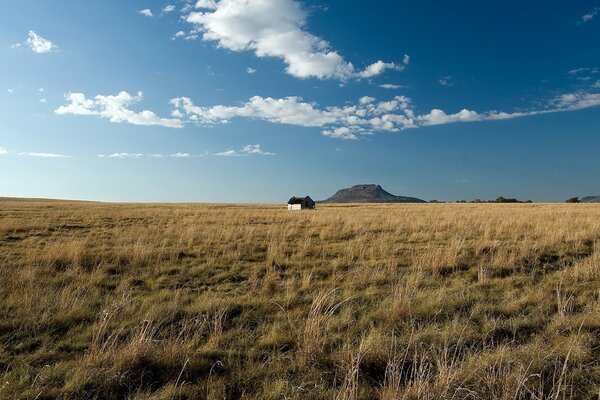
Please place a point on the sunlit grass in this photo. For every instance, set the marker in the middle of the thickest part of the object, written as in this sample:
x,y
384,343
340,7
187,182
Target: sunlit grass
x,y
163,301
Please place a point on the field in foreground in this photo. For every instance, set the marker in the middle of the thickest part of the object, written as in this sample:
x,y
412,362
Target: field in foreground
x,y
432,301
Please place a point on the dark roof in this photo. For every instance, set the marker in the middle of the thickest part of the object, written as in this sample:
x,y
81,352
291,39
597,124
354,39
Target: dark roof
x,y
298,200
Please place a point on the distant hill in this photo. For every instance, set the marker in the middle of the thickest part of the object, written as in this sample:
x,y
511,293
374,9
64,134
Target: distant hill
x,y
368,194
591,199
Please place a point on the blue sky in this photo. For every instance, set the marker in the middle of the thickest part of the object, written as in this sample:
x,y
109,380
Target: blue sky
x,y
258,100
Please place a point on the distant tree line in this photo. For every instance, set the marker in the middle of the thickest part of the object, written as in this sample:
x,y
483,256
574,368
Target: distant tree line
x,y
498,200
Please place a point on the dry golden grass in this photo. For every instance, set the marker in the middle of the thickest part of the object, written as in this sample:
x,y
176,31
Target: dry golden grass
x,y
431,301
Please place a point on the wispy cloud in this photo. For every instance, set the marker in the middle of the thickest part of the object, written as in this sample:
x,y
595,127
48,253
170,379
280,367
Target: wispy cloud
x,y
446,81
37,44
250,70
146,12
589,70
390,86
590,16
241,25
121,155
10,91
44,155
3,151
248,150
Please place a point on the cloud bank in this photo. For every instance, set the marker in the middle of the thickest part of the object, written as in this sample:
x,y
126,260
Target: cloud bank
x,y
366,116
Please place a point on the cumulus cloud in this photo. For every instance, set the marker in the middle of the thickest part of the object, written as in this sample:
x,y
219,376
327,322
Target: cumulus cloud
x,y
277,28
248,150
146,12
115,108
180,155
590,16
44,155
37,44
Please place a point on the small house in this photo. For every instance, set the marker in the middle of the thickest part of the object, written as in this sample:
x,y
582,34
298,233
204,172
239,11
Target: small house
x,y
301,203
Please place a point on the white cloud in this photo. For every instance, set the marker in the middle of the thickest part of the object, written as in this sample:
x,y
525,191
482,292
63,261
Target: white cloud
x,y
168,8
340,133
378,68
276,28
42,90
576,101
591,70
597,84
227,153
146,12
366,100
43,100
250,70
115,108
180,155
438,117
207,4
178,35
248,150
44,155
363,118
255,149
121,155
390,86
446,81
37,43
156,155
10,91
591,15
3,151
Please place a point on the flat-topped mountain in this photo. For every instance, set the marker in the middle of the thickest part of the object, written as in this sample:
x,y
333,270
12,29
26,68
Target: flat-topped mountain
x,y
368,194
591,199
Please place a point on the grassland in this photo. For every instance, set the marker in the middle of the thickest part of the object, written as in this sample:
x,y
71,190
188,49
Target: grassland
x,y
432,301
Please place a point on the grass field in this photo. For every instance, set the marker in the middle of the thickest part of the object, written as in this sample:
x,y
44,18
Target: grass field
x,y
431,301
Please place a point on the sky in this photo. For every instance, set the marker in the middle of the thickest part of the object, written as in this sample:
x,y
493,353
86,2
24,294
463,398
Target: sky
x,y
257,100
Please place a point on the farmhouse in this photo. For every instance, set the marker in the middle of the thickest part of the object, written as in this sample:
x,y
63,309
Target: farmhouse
x,y
301,203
